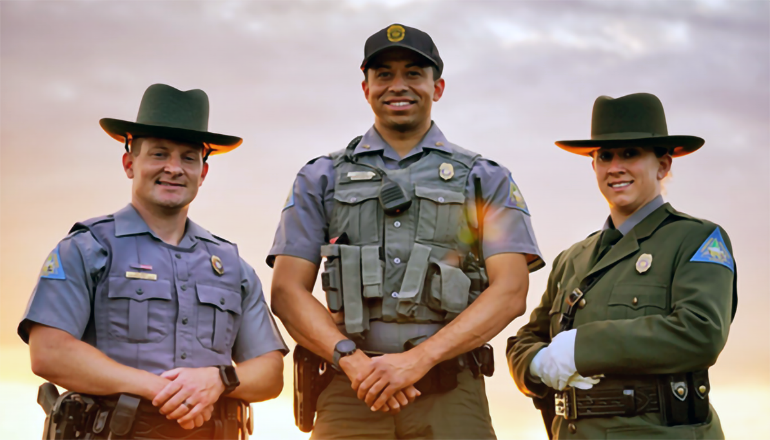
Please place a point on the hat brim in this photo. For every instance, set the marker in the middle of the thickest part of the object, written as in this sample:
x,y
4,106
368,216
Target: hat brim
x,y
219,143
391,46
677,145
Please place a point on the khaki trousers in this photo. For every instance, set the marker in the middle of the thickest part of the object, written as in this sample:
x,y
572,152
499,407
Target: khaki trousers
x,y
462,413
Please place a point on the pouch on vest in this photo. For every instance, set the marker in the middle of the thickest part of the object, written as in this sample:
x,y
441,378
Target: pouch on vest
x,y
371,271
331,278
414,279
450,288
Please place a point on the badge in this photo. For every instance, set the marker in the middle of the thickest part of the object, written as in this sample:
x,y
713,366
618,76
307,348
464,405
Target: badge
x,y
289,199
216,263
643,263
446,171
396,33
142,276
714,250
515,199
361,175
52,267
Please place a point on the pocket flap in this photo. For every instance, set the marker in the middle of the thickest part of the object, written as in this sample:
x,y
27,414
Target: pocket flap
x,y
223,299
139,290
356,193
439,195
455,288
637,296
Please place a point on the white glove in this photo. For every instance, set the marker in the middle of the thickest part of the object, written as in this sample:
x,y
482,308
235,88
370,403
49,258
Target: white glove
x,y
555,364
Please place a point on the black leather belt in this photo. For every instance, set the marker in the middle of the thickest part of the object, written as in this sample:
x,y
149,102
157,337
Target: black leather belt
x,y
603,401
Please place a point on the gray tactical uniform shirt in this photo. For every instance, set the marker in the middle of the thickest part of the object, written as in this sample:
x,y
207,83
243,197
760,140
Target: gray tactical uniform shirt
x,y
304,225
163,308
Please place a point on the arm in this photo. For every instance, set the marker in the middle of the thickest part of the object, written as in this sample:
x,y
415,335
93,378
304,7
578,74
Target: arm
x,y
495,308
261,378
77,366
688,339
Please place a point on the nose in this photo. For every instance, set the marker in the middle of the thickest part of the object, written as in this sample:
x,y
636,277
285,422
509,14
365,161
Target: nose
x,y
616,165
399,84
173,165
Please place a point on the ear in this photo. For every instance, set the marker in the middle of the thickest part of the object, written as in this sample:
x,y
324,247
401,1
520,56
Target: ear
x,y
664,166
128,165
438,89
365,88
204,172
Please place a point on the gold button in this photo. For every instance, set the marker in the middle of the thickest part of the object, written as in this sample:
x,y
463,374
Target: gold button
x,y
439,144
702,389
635,301
572,428
365,146
680,391
582,303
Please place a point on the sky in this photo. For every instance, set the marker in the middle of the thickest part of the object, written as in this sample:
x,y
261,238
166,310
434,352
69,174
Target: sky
x,y
284,76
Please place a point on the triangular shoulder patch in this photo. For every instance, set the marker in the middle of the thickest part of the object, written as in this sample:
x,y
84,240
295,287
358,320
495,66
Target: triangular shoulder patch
x,y
52,268
714,250
515,199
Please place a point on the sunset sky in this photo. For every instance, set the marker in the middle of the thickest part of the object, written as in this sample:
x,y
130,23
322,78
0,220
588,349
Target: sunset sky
x,y
284,76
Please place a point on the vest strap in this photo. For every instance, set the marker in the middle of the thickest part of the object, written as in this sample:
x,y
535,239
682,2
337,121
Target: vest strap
x,y
414,278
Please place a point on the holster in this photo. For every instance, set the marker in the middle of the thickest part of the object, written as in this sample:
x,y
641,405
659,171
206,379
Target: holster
x,y
70,415
547,410
482,361
684,397
311,376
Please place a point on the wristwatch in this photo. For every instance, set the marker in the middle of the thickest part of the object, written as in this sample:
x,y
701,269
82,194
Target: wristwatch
x,y
229,378
345,347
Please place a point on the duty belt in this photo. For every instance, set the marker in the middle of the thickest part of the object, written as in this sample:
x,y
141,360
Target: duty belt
x,y
574,403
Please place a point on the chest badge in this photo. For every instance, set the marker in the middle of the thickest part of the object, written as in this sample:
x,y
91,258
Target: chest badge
x,y
446,171
216,263
643,263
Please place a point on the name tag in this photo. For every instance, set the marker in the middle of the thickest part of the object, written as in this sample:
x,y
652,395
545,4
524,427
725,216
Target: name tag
x,y
361,175
142,276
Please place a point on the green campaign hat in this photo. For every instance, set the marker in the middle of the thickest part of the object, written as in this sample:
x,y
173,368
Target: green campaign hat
x,y
168,113
631,120
398,35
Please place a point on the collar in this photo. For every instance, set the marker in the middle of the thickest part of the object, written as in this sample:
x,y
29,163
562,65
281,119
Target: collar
x,y
636,217
372,142
129,222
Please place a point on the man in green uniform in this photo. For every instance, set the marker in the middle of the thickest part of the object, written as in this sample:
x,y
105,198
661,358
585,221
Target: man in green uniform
x,y
633,316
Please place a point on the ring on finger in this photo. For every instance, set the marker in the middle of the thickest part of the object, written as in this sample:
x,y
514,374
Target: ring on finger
x,y
188,405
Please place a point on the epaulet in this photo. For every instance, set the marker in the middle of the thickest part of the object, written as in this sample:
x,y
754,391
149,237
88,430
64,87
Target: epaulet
x,y
684,216
593,233
221,239
466,157
312,161
88,224
337,157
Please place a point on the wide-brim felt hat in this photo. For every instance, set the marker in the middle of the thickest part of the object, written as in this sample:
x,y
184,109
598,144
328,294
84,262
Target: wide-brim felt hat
x,y
631,120
168,113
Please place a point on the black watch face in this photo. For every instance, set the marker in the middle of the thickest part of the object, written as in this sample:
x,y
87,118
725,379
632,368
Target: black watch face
x,y
346,346
230,375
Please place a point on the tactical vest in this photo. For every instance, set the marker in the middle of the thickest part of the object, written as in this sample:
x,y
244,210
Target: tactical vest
x,y
158,306
411,267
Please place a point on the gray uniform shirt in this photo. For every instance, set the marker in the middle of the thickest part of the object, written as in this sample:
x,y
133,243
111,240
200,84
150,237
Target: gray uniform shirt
x,y
64,298
304,225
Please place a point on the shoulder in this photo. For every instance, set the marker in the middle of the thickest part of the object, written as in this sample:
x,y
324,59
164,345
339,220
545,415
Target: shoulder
x,y
317,168
488,169
692,227
579,247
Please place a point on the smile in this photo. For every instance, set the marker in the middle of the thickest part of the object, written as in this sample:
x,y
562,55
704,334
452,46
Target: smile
x,y
173,185
620,184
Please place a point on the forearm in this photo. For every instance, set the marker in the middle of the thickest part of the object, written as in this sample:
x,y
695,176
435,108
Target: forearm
x,y
77,366
261,378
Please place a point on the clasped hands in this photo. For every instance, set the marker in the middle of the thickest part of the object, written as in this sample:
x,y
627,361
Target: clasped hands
x,y
189,395
555,364
385,383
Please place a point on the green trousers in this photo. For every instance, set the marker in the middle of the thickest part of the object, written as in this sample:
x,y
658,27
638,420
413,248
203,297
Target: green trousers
x,y
462,413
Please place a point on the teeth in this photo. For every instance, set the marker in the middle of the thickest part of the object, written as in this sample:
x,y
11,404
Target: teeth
x,y
619,185
400,104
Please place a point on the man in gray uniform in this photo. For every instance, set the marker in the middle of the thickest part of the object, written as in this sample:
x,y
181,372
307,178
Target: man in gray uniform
x,y
410,224
145,303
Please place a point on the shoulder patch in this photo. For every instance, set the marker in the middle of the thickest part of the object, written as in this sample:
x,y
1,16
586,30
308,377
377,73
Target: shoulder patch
x,y
714,250
52,268
289,198
515,199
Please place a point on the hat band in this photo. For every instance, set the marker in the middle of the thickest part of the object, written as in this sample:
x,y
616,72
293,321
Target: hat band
x,y
624,135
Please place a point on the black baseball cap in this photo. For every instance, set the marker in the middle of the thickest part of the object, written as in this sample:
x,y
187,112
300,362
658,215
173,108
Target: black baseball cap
x,y
398,35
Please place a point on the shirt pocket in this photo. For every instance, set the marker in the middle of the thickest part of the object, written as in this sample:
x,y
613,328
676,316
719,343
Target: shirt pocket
x,y
218,310
356,212
441,212
139,310
628,301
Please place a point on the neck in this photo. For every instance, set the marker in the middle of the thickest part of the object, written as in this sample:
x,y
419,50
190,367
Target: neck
x,y
168,224
620,214
402,141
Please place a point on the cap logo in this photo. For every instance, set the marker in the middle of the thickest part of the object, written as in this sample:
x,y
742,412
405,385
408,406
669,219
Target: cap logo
x,y
396,33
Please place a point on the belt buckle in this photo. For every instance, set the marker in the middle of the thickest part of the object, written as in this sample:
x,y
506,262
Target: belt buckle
x,y
565,404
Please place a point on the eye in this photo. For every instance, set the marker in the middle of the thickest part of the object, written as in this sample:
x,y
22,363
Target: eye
x,y
383,74
629,153
604,156
414,73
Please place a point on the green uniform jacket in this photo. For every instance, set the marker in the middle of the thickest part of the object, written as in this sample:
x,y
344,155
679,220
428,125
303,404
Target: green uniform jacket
x,y
673,318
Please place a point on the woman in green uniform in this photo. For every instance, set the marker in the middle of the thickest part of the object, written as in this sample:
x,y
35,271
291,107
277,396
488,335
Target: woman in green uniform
x,y
635,314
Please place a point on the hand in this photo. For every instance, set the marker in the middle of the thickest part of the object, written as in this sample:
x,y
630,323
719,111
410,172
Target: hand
x,y
358,367
555,364
199,419
198,387
390,374
583,383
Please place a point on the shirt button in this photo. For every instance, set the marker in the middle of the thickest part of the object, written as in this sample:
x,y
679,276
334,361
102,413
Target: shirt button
x,y
353,200
184,356
394,294
184,321
397,224
572,428
184,286
635,301
139,291
177,255
222,301
397,260
441,200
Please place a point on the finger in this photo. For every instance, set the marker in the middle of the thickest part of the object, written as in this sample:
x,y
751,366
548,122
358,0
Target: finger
x,y
171,374
187,425
385,396
364,387
179,412
395,407
193,414
174,404
208,412
198,421
411,393
401,398
166,393
375,391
